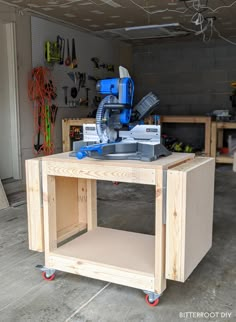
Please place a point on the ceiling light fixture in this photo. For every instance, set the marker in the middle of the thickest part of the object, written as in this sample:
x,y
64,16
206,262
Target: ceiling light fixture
x,y
164,25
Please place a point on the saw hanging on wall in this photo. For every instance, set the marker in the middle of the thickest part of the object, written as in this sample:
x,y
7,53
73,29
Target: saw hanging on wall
x,y
74,62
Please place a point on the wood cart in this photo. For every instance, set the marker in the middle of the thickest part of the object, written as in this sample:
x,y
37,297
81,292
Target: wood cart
x,y
64,203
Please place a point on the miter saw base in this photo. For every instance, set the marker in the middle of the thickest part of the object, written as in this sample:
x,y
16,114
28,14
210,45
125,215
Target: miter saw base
x,y
142,151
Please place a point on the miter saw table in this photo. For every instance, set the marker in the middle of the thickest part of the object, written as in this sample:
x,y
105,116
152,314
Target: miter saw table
x,y
66,227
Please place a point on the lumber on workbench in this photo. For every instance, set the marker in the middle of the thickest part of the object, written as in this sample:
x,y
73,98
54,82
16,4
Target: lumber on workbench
x,y
3,198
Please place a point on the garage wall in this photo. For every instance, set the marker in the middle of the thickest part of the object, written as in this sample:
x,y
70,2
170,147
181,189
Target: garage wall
x,y
87,46
24,63
190,77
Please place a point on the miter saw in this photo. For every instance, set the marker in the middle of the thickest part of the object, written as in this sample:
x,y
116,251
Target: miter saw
x,y
120,131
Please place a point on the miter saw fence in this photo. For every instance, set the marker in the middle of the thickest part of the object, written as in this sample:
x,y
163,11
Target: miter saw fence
x,y
119,128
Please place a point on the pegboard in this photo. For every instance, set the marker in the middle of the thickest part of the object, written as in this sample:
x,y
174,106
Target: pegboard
x,y
87,46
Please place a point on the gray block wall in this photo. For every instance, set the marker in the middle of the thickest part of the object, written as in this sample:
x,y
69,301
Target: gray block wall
x,y
190,77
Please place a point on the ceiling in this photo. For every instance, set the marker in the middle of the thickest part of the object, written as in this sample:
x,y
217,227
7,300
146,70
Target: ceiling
x,y
102,15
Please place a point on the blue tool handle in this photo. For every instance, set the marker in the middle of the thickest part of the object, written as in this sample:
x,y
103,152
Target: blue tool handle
x,y
80,155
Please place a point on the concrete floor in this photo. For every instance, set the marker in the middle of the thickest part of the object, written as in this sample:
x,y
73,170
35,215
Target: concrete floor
x,y
25,296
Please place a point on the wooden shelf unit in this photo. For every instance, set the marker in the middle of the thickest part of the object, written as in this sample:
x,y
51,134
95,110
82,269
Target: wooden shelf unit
x,y
206,120
69,194
67,124
217,132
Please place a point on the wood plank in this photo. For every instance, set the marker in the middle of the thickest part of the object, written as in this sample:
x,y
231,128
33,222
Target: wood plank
x,y
234,162
190,197
163,162
92,204
108,172
208,137
224,159
3,198
184,119
226,125
67,206
34,204
49,205
160,229
220,135
213,139
101,272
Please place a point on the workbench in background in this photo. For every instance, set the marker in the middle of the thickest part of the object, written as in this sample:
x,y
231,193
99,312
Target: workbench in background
x,y
62,201
183,119
73,124
217,133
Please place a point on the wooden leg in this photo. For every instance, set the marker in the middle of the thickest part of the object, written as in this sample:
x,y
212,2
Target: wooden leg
x,y
49,204
220,138
65,135
92,203
213,139
159,274
34,205
208,137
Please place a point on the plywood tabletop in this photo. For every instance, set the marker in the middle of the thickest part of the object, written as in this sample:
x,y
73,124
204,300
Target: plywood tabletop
x,y
163,162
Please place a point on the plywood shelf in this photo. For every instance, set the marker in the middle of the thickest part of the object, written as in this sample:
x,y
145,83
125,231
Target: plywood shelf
x,y
127,251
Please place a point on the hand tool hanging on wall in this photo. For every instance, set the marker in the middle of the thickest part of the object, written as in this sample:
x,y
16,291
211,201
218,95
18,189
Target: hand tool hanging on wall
x,y
82,80
87,95
38,146
52,52
61,45
65,88
73,92
53,112
68,58
74,62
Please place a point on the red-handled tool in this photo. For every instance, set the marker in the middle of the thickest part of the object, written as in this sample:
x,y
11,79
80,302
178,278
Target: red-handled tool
x,y
74,62
68,58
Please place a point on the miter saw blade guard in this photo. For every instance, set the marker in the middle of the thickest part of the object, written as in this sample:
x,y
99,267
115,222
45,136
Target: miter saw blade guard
x,y
104,122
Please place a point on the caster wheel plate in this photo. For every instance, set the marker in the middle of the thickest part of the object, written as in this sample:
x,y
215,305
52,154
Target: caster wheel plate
x,y
48,278
154,303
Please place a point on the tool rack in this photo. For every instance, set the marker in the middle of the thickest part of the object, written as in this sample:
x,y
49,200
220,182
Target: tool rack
x,y
62,201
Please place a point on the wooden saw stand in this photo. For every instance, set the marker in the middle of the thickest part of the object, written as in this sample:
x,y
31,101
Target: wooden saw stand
x,y
62,201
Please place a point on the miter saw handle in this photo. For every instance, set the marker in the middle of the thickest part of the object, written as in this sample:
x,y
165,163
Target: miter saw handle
x,y
84,151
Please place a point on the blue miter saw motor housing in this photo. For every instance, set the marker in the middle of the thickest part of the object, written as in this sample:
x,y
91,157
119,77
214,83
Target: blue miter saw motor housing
x,y
123,89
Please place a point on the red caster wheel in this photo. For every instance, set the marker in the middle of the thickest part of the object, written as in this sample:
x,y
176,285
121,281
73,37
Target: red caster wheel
x,y
154,303
116,183
50,278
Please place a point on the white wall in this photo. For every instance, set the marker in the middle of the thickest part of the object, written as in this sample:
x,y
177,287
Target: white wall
x,y
6,170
